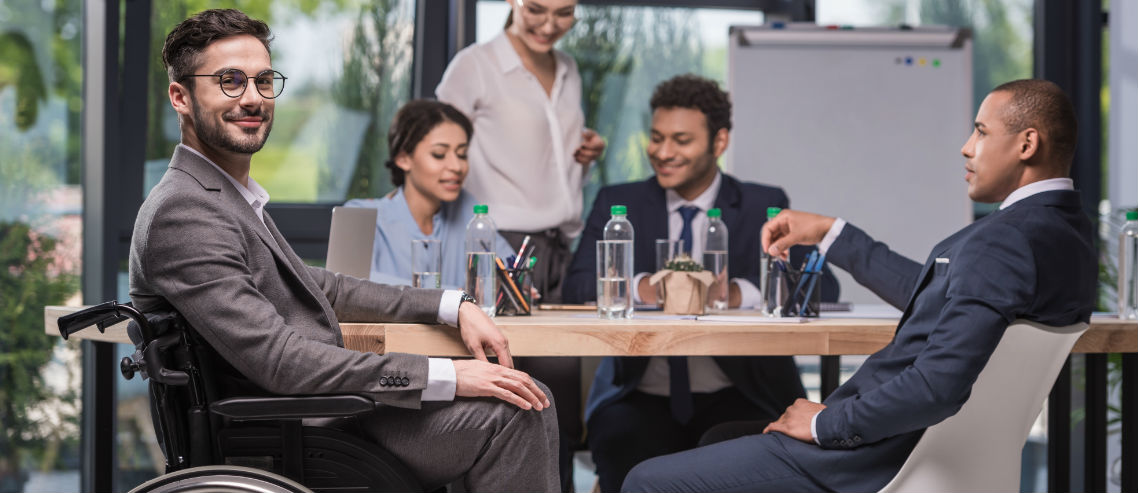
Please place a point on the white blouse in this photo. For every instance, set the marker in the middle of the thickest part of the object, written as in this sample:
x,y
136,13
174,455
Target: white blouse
x,y
521,154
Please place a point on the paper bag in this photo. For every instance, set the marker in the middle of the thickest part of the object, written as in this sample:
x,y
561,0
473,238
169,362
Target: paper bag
x,y
685,293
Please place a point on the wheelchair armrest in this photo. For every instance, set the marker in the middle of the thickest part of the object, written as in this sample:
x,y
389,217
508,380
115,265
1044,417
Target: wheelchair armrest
x,y
323,406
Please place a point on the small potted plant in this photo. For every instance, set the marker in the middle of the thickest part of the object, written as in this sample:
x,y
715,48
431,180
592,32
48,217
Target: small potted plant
x,y
684,286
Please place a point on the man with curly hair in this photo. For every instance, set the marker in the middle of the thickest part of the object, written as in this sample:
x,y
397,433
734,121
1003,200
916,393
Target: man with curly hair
x,y
641,408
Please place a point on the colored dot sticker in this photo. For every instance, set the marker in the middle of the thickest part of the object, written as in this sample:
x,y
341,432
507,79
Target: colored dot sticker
x,y
908,60
921,62
936,62
897,60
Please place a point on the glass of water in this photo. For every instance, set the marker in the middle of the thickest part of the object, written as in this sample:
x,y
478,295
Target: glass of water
x,y
614,274
426,263
666,251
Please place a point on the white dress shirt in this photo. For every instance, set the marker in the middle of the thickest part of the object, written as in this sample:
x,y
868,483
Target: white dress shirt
x,y
1016,196
521,153
705,374
441,377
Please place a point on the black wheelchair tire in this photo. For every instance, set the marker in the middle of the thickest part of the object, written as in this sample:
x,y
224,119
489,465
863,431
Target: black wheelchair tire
x,y
221,479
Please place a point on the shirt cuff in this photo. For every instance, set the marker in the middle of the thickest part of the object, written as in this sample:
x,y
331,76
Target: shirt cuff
x,y
441,380
814,428
448,309
831,235
635,288
749,295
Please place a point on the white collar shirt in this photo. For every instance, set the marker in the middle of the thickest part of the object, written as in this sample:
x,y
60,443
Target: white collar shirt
x,y
255,195
1037,187
521,153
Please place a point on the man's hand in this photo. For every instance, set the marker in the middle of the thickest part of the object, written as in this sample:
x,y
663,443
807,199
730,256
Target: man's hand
x,y
791,228
648,292
479,334
475,378
795,422
592,145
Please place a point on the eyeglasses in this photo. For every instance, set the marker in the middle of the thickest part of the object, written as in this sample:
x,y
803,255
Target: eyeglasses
x,y
538,15
233,82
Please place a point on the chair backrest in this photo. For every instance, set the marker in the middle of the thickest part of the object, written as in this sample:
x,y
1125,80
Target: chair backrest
x,y
350,241
978,448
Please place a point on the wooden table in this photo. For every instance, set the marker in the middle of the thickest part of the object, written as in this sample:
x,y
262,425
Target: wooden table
x,y
565,333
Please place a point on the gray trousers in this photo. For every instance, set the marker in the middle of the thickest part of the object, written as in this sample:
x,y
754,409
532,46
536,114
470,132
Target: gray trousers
x,y
486,443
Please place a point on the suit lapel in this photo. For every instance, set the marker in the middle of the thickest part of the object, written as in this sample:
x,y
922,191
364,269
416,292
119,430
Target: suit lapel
x,y
728,201
211,179
938,251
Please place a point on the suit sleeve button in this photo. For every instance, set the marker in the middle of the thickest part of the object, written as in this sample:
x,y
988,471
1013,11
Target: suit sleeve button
x,y
406,381
383,381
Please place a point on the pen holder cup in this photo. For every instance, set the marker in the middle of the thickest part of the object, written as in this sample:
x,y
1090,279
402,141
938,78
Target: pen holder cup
x,y
519,302
790,292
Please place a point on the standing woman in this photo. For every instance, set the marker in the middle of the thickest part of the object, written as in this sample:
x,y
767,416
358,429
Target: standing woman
x,y
531,151
529,160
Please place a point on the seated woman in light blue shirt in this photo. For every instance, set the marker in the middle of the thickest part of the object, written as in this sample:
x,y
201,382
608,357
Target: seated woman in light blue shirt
x,y
428,141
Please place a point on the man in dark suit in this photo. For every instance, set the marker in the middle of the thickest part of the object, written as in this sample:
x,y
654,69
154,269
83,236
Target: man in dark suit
x,y
634,411
1033,259
204,246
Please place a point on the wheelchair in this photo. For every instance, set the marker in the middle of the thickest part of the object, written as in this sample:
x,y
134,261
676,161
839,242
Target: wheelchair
x,y
216,440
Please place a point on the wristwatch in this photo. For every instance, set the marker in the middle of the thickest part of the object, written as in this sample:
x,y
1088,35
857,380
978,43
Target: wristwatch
x,y
463,299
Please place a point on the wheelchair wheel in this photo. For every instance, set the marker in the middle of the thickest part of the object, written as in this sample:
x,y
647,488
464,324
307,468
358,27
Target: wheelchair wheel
x,y
221,479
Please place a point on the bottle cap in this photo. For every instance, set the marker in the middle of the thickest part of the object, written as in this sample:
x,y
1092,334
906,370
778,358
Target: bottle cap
x,y
1132,215
619,210
481,209
773,211
714,213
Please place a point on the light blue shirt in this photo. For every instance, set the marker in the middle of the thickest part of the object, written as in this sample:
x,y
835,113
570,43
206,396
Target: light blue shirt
x,y
395,228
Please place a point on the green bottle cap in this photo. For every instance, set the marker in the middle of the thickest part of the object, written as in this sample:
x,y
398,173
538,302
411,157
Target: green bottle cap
x,y
619,210
481,209
773,211
1132,215
714,213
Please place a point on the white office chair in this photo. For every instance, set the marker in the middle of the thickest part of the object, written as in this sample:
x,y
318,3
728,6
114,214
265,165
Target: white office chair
x,y
978,449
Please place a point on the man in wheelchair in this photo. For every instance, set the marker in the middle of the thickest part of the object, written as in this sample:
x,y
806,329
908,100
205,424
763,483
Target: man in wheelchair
x,y
205,248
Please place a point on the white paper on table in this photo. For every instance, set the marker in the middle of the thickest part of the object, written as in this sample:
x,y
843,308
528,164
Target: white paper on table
x,y
752,319
866,310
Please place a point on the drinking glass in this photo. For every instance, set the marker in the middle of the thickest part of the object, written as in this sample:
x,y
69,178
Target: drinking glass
x,y
666,250
426,263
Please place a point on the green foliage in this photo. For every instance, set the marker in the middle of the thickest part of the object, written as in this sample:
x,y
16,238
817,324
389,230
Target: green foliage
x,y
26,286
374,80
622,53
684,263
18,66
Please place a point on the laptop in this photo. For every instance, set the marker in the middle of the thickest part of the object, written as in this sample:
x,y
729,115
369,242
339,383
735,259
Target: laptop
x,y
350,241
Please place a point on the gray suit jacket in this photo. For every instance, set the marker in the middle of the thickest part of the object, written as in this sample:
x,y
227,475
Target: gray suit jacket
x,y
199,248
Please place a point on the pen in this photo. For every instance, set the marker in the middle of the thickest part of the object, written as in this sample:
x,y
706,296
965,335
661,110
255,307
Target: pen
x,y
807,266
813,281
512,290
521,251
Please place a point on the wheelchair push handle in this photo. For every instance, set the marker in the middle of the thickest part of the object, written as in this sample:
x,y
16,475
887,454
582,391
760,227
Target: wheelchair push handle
x,y
102,315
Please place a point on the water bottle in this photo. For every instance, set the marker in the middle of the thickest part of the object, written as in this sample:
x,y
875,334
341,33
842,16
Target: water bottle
x,y
1128,268
715,258
480,280
765,305
614,267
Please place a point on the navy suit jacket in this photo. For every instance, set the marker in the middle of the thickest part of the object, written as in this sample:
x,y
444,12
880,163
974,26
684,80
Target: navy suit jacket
x,y
772,383
1034,260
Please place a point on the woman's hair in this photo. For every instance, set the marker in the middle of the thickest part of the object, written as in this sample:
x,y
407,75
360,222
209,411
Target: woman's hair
x,y
412,123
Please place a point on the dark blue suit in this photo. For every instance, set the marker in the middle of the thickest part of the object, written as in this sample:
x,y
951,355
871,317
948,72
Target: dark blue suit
x,y
1034,260
769,384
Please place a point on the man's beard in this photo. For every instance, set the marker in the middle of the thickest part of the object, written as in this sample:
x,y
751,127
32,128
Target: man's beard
x,y
213,134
